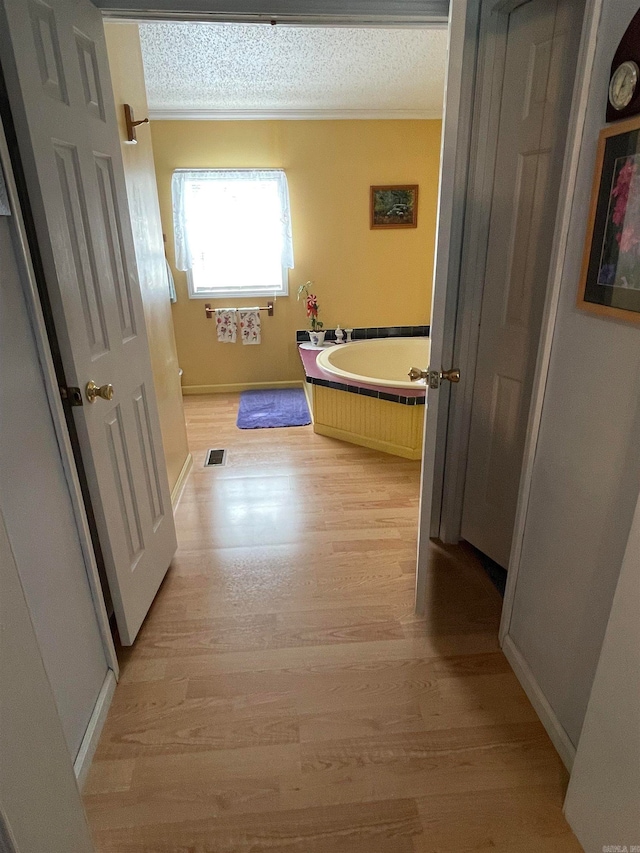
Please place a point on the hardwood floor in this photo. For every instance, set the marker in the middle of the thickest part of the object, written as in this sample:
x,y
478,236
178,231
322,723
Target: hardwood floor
x,y
282,696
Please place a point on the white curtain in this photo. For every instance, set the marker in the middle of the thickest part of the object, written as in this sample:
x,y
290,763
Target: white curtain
x,y
185,187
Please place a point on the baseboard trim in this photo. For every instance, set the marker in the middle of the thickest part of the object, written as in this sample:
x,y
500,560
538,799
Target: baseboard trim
x,y
177,490
92,735
365,441
195,390
543,709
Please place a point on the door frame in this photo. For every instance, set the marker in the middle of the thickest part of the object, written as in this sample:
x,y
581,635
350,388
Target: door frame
x,y
50,380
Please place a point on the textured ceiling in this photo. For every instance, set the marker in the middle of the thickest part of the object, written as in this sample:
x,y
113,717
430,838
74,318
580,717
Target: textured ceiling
x,y
260,68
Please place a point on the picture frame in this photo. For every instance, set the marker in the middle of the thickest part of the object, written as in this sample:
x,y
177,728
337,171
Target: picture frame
x,y
610,275
393,206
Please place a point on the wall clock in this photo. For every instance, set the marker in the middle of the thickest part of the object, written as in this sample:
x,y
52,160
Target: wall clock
x,y
624,82
622,87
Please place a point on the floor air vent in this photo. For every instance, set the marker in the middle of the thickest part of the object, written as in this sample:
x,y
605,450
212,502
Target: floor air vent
x,y
215,457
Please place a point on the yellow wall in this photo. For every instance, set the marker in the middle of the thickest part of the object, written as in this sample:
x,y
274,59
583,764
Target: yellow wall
x,y
362,277
125,59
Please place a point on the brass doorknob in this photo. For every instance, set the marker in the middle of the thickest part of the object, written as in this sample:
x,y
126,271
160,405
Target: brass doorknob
x,y
415,373
93,391
450,375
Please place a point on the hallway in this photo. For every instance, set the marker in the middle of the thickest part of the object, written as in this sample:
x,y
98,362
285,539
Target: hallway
x,y
282,695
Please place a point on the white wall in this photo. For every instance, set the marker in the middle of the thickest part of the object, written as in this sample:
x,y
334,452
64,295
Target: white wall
x,y
586,473
39,800
603,800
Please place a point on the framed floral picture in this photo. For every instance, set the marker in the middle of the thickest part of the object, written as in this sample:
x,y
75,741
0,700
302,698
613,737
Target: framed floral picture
x,y
394,206
610,280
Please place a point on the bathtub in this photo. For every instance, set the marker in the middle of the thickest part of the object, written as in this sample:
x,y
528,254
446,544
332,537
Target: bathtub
x,y
380,362
360,392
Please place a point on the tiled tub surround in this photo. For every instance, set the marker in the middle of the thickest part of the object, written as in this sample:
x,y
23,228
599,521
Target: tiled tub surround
x,y
370,415
315,375
372,332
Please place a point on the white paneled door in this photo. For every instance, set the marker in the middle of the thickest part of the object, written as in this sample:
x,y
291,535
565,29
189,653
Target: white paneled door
x,y
541,54
55,64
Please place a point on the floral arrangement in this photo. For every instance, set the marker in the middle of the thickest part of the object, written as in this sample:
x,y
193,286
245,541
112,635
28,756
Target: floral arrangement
x,y
311,302
620,264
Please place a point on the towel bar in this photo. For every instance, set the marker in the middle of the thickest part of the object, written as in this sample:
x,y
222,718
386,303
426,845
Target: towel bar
x,y
209,311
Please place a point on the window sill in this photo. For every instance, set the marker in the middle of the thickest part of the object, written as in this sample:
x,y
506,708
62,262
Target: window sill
x,y
234,295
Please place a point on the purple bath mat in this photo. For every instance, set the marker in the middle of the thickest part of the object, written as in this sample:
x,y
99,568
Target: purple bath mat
x,y
281,407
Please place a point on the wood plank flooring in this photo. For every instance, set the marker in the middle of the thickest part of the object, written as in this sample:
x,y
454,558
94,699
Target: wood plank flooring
x,y
282,696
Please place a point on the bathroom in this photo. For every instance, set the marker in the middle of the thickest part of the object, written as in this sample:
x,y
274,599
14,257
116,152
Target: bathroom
x,y
367,118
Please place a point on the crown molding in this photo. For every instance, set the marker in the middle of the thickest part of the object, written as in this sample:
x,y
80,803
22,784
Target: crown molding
x,y
288,115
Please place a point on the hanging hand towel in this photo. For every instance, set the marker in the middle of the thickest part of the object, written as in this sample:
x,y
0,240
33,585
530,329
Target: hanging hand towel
x,y
226,325
250,325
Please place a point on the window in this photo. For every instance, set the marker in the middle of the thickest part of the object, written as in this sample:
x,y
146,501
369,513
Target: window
x,y
232,231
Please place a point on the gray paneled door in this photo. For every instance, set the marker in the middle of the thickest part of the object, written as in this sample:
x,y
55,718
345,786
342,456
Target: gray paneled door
x,y
541,54
38,513
55,62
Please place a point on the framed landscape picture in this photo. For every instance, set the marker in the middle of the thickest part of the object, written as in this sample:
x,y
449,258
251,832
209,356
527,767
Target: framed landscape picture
x,y
394,206
610,280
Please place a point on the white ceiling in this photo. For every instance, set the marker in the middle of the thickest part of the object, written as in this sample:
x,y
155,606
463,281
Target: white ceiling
x,y
248,70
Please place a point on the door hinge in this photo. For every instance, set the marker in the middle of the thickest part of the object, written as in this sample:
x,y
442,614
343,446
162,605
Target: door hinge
x,y
71,394
434,377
